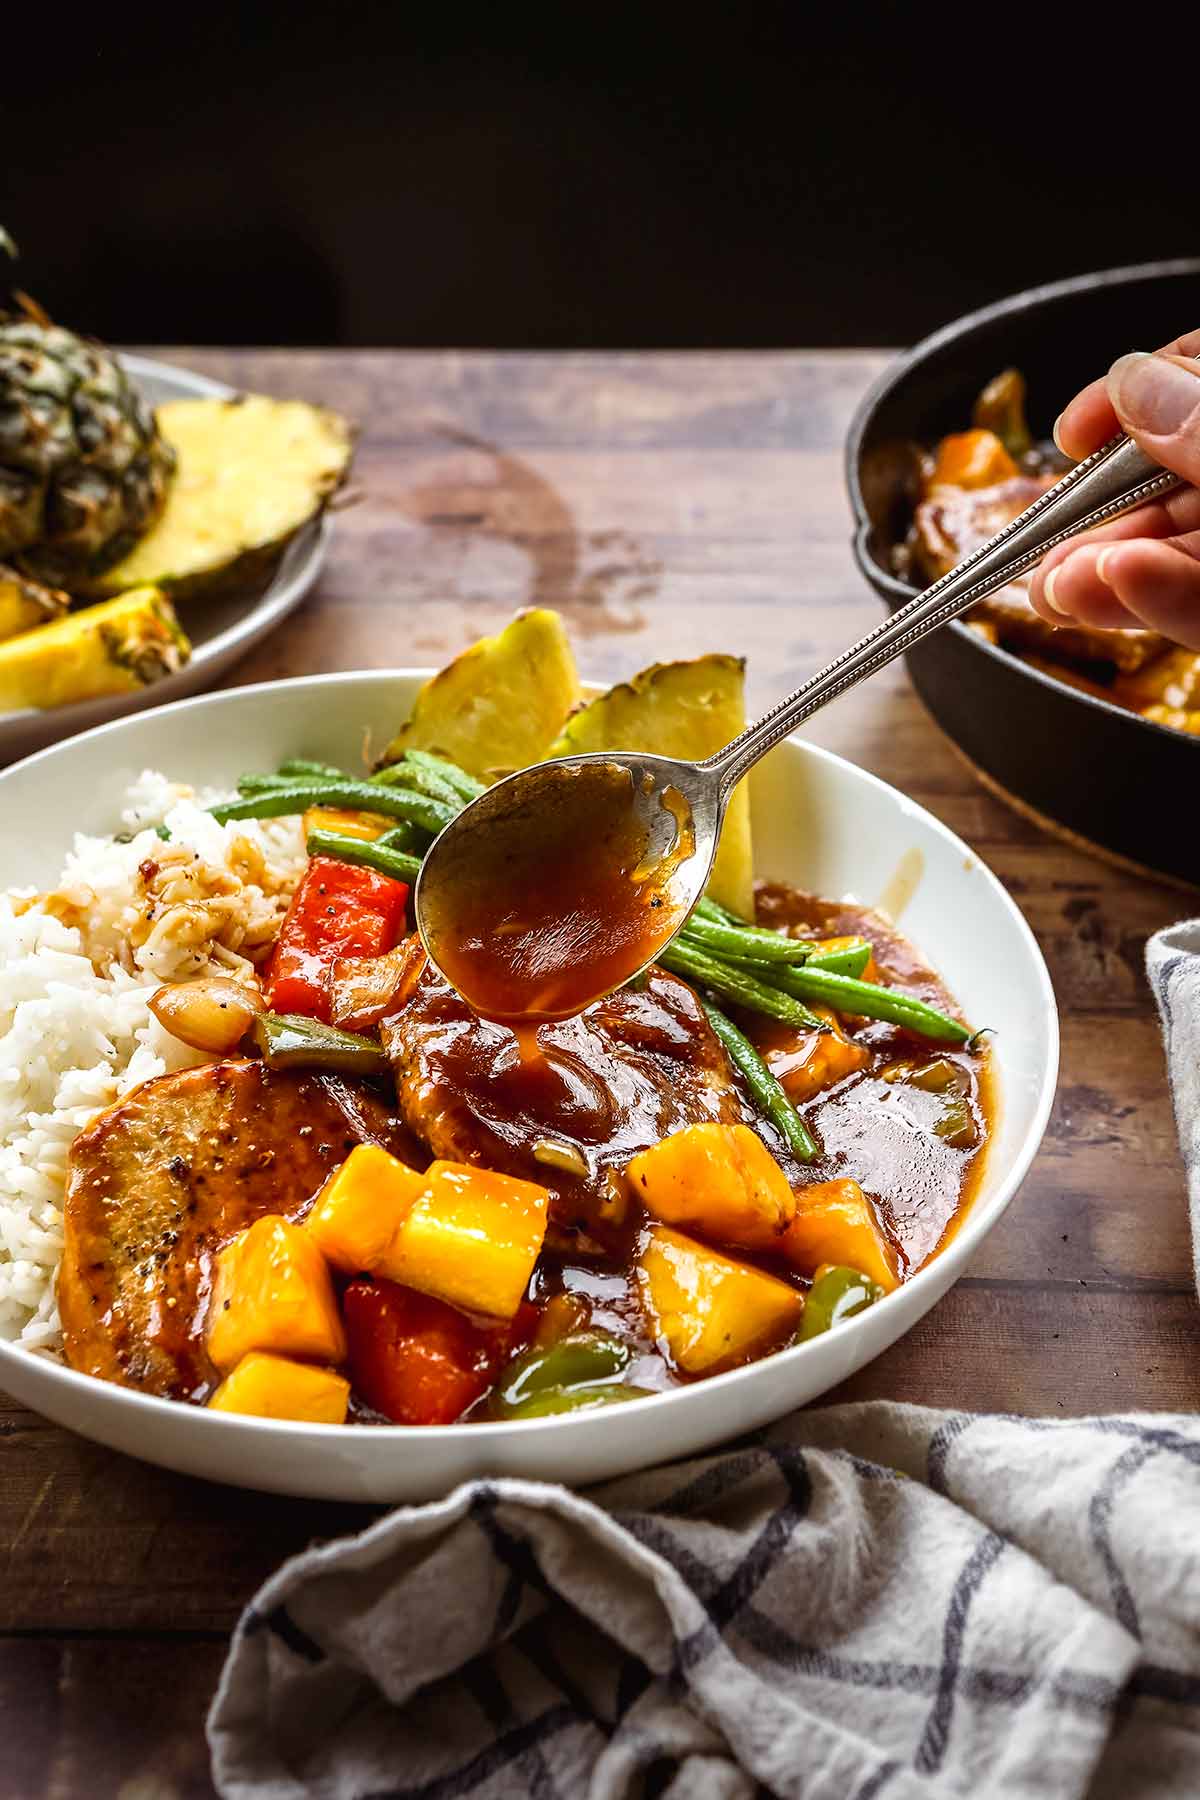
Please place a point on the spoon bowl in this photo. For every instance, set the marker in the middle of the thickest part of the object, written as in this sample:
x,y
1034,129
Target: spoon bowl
x,y
567,879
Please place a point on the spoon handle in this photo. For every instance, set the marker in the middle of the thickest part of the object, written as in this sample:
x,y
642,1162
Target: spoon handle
x,y
1111,481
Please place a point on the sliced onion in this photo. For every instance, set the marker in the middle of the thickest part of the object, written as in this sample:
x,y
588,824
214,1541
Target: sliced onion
x,y
365,989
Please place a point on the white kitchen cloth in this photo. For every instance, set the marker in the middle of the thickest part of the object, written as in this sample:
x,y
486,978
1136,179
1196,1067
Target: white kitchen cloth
x,y
1173,965
863,1602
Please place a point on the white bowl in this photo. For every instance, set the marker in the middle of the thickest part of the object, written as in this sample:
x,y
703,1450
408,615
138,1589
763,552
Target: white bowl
x,y
819,822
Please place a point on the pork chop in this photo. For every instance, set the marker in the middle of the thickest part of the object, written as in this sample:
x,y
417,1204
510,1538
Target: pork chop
x,y
952,522
160,1181
588,1091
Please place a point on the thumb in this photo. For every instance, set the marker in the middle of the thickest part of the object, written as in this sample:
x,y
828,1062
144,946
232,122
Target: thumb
x,y
1157,400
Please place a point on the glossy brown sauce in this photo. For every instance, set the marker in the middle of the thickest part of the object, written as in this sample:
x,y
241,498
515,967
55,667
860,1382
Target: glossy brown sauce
x,y
879,1132
548,905
595,1088
163,1179
642,1063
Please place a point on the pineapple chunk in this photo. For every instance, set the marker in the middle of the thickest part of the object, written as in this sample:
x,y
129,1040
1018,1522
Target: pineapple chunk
x,y
360,1209
251,472
471,1239
365,825
25,603
710,1311
275,1387
836,1223
684,709
115,648
719,1180
273,1292
971,459
804,1062
501,704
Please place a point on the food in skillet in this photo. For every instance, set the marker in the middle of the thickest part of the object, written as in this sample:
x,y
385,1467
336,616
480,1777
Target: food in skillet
x,y
111,513
975,482
324,1189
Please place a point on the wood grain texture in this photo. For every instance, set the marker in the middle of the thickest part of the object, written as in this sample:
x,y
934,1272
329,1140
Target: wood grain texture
x,y
666,504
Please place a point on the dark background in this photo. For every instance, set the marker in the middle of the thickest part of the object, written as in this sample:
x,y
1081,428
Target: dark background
x,y
763,175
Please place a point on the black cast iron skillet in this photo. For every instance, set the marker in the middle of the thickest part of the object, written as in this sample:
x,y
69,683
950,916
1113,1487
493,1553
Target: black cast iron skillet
x,y
1105,774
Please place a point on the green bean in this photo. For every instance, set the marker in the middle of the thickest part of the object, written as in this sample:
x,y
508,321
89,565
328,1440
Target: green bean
x,y
293,1041
300,766
864,998
745,941
421,781
716,915
289,774
765,1090
364,854
359,796
852,959
265,784
467,785
405,836
737,985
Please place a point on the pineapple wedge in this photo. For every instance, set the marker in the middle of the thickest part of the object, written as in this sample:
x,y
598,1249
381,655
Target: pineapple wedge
x,y
689,710
251,472
114,648
25,603
501,704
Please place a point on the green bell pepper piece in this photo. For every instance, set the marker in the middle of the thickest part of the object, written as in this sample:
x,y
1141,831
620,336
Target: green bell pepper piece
x,y
580,1359
548,1401
835,1295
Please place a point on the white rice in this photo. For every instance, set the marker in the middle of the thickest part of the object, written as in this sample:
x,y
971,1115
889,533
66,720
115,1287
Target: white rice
x,y
77,970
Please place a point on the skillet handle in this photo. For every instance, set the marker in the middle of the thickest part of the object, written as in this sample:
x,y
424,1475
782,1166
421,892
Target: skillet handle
x,y
1112,481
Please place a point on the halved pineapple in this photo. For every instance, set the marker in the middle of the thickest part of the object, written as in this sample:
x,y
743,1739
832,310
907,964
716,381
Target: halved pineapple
x,y
251,472
113,648
501,704
25,603
684,709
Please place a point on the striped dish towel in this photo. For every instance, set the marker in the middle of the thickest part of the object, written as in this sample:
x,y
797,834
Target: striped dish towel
x,y
1173,965
872,1602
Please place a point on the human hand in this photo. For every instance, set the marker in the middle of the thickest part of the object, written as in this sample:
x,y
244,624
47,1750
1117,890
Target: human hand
x,y
1143,569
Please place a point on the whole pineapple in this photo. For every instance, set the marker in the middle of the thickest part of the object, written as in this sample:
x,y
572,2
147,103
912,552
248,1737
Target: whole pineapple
x,y
83,469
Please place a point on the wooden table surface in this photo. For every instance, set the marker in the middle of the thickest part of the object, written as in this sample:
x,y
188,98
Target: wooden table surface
x,y
666,505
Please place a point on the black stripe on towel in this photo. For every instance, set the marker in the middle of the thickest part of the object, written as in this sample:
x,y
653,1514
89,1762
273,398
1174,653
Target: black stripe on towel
x,y
280,1623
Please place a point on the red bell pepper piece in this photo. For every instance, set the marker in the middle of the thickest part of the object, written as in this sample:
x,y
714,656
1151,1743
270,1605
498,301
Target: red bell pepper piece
x,y
338,910
419,1361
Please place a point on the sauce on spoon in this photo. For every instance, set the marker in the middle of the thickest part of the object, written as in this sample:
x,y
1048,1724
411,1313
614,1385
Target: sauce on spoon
x,y
561,894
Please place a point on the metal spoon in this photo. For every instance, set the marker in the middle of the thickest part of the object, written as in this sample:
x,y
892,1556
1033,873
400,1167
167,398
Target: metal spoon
x,y
499,845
